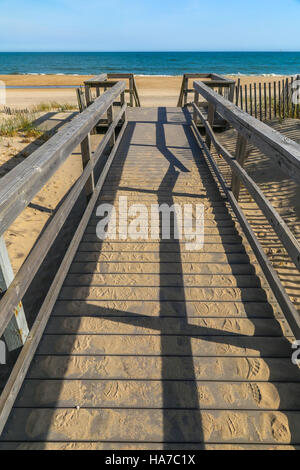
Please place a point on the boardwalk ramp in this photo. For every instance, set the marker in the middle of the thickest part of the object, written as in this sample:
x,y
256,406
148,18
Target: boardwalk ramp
x,y
152,345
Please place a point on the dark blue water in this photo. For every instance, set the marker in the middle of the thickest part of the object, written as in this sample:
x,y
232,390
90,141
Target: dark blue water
x,y
150,63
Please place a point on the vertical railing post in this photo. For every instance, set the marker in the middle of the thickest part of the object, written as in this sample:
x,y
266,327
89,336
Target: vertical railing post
x,y
131,92
17,330
240,155
196,101
231,92
88,96
185,91
211,118
123,101
110,119
86,155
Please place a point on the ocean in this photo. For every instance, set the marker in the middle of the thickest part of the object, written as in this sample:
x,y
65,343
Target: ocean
x,y
150,63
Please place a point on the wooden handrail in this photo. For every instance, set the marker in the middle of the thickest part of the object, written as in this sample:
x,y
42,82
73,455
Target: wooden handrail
x,y
20,185
284,151
270,142
214,80
101,81
60,148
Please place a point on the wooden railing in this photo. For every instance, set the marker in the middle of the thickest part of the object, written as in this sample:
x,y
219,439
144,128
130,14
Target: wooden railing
x,y
19,187
224,86
103,82
283,151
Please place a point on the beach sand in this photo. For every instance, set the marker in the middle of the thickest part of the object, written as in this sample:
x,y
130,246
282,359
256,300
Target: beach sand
x,y
153,90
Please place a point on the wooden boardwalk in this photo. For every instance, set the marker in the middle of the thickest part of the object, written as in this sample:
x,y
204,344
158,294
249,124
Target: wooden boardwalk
x,y
151,346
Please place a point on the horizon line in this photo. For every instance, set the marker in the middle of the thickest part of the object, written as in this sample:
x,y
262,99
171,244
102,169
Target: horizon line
x,y
148,51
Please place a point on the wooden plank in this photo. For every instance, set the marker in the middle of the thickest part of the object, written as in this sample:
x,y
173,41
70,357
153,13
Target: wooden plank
x,y
150,345
16,331
22,364
85,426
141,326
28,178
153,280
167,268
237,369
285,152
203,309
150,394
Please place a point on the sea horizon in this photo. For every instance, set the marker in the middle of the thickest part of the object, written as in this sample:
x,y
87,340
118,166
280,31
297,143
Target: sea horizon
x,y
168,63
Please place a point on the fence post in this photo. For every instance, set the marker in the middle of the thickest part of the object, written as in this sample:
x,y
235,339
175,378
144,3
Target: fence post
x,y
240,155
231,92
17,330
237,92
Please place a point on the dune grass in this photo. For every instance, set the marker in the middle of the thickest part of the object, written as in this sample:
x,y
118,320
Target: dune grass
x,y
20,123
24,121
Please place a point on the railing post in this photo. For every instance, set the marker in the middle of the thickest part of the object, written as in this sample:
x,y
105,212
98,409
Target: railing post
x,y
185,91
196,101
86,155
231,92
131,92
211,118
88,96
123,101
240,155
17,330
110,119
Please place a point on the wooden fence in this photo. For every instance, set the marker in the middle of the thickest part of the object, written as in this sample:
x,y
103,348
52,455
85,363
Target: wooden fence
x,y
17,190
269,100
284,152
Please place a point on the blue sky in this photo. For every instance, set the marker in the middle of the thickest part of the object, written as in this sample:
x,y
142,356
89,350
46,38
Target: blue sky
x,y
149,25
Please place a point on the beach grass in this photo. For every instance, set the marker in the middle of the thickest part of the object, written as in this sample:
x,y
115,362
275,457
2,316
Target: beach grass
x,y
23,121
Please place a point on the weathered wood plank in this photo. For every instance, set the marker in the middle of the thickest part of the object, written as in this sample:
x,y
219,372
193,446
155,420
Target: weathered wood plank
x,y
153,426
237,369
150,394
